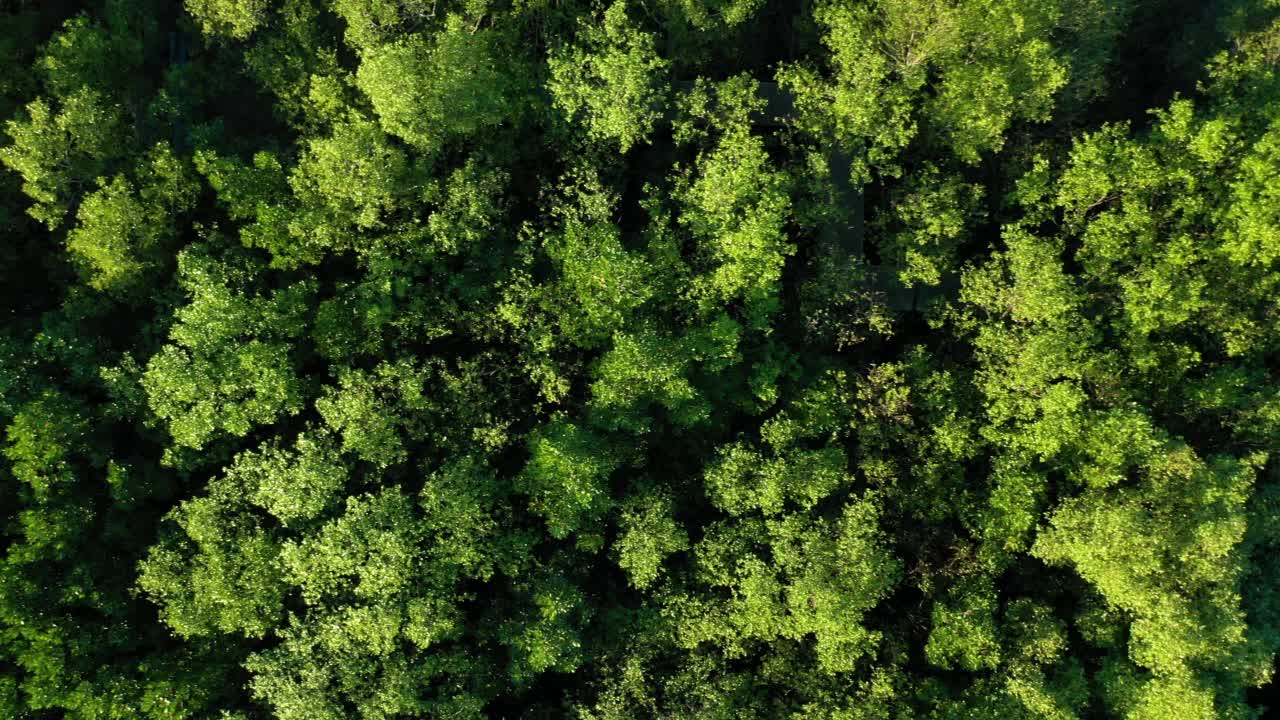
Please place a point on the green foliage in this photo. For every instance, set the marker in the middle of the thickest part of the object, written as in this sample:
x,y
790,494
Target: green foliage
x,y
567,476
292,60
708,14
545,634
825,575
371,22
613,79
43,435
393,359
89,54
57,150
963,633
123,230
469,206
464,504
1190,511
347,182
996,63
294,486
430,90
221,573
369,410
931,216
369,551
599,284
736,205
228,368
649,534
740,480
643,370
235,19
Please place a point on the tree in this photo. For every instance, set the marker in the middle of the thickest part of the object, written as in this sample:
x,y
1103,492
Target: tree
x,y
649,534
220,573
825,576
59,151
612,79
372,22
1178,574
90,54
567,476
346,183
736,205
369,411
236,19
995,63
429,90
229,366
124,232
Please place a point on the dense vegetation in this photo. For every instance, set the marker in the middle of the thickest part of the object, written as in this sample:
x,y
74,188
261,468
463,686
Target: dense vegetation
x,y
830,359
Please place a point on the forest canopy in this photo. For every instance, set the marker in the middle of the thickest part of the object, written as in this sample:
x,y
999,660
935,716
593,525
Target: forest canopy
x,y
662,359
